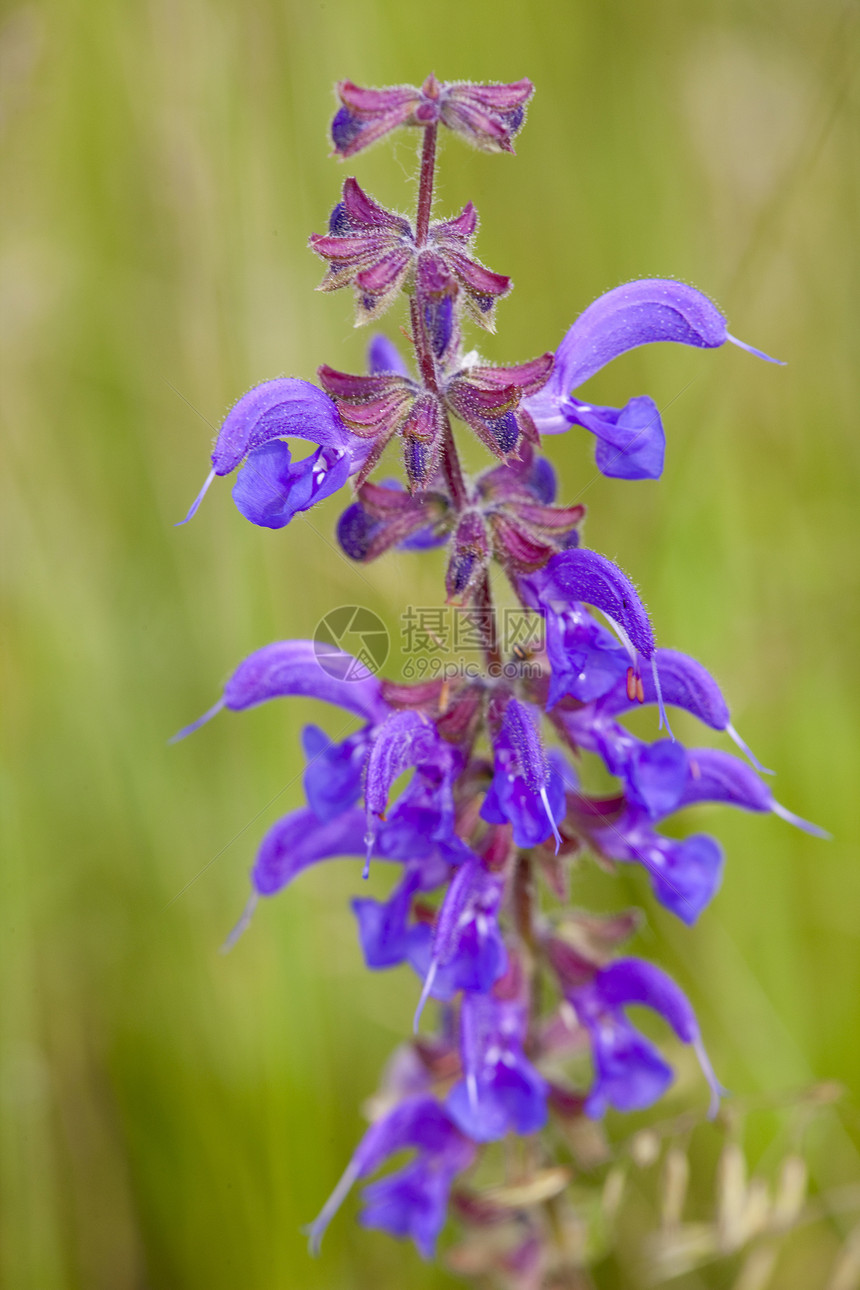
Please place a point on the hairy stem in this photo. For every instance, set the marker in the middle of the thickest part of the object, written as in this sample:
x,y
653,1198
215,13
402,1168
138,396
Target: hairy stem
x,y
425,183
487,618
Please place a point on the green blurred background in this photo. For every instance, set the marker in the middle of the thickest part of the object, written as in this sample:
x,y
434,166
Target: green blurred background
x,y
171,1115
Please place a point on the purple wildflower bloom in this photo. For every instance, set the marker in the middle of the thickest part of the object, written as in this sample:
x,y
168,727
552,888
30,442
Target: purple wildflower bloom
x,y
383,926
293,668
584,576
335,772
585,659
630,440
466,950
629,1072
272,488
685,874
413,1201
527,789
501,1091
684,683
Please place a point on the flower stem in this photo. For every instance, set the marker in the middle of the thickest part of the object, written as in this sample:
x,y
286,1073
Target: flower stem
x,y
487,619
425,183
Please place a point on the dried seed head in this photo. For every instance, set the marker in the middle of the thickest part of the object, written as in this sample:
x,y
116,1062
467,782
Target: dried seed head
x,y
731,1195
676,1175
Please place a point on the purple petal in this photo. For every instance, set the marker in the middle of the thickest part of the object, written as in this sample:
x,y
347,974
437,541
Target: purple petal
x,y
382,927
634,980
684,683
719,777
686,875
299,668
419,1122
631,443
300,840
583,575
404,739
656,775
333,776
271,489
466,937
630,1073
384,356
637,313
412,1202
527,789
274,410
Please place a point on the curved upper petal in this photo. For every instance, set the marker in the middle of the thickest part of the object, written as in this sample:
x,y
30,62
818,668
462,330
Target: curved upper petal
x,y
297,668
274,410
634,314
584,575
300,840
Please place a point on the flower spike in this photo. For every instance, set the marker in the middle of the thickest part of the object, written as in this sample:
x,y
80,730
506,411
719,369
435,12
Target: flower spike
x,y
487,812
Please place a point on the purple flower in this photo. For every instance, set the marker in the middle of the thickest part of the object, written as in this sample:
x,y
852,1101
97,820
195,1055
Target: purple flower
x,y
465,950
296,668
630,440
413,1201
310,669
629,1072
587,577
501,1091
383,926
403,740
685,874
585,659
272,488
716,776
684,683
335,772
528,788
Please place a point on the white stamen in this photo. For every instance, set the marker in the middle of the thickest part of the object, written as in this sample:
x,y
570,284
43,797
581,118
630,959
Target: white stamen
x,y
425,992
751,349
369,840
747,751
623,637
664,720
472,1089
195,725
799,823
316,1230
556,834
717,1090
242,925
198,499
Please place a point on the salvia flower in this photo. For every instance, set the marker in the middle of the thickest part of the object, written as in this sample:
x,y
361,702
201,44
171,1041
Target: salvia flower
x,y
272,488
630,1074
461,784
412,1201
501,1090
630,440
